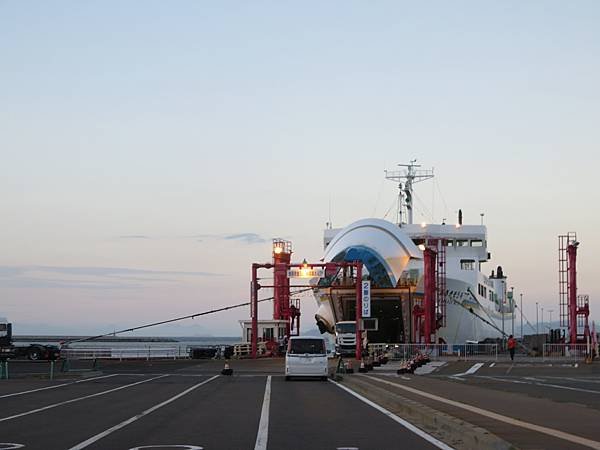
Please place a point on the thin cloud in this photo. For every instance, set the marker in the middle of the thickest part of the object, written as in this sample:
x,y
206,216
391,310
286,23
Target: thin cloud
x,y
248,238
134,236
95,278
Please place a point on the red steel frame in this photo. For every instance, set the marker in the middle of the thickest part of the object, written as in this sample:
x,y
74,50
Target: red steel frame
x,y
431,314
282,285
574,309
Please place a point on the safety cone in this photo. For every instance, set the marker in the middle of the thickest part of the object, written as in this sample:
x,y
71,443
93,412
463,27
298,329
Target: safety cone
x,y
227,370
362,368
349,368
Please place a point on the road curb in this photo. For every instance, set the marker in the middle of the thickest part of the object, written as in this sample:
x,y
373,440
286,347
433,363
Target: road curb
x,y
451,430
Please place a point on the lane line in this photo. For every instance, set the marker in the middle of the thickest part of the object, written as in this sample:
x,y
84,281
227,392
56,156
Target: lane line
x,y
509,420
536,383
263,427
474,368
56,386
97,394
439,444
123,424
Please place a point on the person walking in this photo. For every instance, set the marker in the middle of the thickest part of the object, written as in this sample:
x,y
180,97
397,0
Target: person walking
x,y
512,345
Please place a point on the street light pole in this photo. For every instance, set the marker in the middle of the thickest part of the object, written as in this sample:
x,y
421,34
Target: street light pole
x,y
512,300
521,307
537,320
542,319
550,311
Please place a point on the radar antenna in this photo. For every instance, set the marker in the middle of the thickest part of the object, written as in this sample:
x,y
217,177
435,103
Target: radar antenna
x,y
405,178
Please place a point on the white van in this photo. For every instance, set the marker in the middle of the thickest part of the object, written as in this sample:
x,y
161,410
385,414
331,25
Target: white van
x,y
306,357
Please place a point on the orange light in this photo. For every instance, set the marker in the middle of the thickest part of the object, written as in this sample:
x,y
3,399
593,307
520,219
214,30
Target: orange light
x,y
277,250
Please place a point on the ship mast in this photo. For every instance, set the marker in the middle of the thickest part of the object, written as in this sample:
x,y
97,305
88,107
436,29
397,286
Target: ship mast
x,y
406,178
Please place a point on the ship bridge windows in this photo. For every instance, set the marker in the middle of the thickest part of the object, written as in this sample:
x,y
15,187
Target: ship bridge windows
x,y
449,243
462,242
476,243
467,264
482,290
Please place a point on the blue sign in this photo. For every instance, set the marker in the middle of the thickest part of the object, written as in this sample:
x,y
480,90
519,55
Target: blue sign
x,y
366,299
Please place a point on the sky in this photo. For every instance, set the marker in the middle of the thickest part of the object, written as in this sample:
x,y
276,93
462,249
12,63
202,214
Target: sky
x,y
151,150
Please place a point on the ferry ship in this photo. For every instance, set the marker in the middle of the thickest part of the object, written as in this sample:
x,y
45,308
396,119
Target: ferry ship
x,y
473,306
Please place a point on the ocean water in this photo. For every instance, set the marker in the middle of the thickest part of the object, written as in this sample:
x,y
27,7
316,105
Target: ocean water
x,y
181,344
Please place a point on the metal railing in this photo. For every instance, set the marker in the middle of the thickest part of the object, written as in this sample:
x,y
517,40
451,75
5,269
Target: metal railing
x,y
570,352
23,368
437,351
244,349
123,353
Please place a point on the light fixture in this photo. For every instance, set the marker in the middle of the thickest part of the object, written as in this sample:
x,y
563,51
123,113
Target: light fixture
x,y
423,224
422,247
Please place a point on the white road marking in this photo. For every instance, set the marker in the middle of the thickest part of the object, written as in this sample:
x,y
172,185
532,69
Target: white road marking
x,y
474,368
405,378
10,446
533,381
439,444
56,386
492,364
483,412
263,427
123,424
184,447
66,402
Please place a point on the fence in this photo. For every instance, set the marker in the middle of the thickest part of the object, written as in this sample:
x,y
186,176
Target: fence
x,y
25,368
123,353
437,351
570,352
244,349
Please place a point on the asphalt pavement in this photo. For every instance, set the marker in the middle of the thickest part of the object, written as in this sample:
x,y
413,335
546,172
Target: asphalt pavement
x,y
185,408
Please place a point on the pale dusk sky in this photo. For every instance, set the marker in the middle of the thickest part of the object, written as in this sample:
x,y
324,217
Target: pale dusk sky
x,y
151,150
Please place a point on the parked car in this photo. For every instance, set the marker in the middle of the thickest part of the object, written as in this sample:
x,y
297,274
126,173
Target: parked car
x,y
306,357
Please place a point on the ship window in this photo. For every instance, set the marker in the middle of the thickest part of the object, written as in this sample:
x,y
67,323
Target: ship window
x,y
467,264
477,243
462,242
419,241
450,243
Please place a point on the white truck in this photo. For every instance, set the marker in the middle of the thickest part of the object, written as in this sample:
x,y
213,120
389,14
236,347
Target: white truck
x,y
32,351
345,338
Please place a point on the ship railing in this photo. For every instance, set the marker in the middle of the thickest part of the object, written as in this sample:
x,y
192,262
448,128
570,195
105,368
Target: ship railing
x,y
484,352
123,353
566,352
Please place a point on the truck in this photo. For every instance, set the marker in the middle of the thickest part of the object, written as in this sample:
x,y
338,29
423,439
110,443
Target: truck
x,y
33,352
345,338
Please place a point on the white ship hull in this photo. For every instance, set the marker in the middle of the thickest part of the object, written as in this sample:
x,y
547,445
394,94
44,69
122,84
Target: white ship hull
x,y
463,326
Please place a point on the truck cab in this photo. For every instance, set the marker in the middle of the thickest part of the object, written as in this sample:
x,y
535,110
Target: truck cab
x,y
345,338
6,348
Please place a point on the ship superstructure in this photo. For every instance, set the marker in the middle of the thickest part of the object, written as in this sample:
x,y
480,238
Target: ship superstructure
x,y
476,306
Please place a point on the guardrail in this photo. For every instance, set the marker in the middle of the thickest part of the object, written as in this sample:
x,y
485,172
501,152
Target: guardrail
x,y
437,351
244,349
123,353
570,352
28,368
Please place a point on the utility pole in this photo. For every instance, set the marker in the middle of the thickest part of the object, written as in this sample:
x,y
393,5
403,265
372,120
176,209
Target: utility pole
x,y
521,307
512,301
537,320
550,311
542,319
